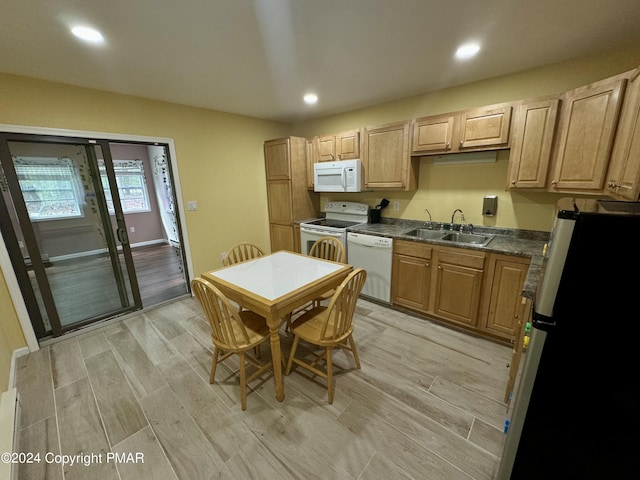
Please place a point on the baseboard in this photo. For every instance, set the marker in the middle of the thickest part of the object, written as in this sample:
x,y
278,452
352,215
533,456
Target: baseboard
x,y
9,415
14,357
99,251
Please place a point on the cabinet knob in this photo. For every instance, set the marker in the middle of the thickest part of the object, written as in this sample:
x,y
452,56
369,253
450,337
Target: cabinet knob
x,y
461,143
448,146
513,182
554,182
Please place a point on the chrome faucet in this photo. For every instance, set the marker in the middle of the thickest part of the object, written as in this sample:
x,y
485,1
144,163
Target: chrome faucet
x,y
426,210
454,214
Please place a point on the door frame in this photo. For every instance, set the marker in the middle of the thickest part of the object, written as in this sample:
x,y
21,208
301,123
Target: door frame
x,y
5,262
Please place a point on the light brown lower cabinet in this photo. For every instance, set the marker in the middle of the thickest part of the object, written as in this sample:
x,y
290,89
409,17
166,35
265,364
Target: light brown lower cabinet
x,y
524,316
458,285
502,298
473,289
411,275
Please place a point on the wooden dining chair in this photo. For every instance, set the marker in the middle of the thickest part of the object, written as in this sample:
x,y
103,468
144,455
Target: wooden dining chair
x,y
326,248
329,327
232,332
242,252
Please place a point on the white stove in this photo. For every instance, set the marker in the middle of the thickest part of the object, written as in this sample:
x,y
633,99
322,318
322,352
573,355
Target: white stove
x,y
338,217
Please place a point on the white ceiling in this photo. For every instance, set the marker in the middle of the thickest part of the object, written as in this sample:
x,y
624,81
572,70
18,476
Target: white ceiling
x,y
258,57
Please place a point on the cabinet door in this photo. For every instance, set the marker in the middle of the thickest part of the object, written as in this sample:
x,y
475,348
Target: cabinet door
x,y
411,282
485,128
326,151
516,354
433,134
279,202
586,129
386,158
458,286
276,159
624,172
311,160
348,145
505,300
282,237
532,139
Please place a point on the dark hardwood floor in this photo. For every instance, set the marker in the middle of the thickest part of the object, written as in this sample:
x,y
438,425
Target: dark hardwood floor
x,y
160,272
85,287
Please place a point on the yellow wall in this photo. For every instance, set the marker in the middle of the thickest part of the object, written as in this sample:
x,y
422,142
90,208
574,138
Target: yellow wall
x,y
220,159
220,163
444,188
11,337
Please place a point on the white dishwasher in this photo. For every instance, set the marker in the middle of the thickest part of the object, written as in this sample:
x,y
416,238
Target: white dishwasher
x,y
375,255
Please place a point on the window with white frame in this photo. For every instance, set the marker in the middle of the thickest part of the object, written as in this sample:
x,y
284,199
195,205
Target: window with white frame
x,y
132,186
50,187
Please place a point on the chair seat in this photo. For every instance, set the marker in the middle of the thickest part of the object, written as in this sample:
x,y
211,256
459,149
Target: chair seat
x,y
309,327
255,327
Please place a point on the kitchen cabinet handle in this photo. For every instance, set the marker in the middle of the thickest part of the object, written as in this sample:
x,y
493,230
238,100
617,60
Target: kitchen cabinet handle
x,y
448,147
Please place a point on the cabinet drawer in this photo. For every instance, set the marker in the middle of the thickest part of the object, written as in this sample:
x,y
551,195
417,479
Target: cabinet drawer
x,y
462,259
413,249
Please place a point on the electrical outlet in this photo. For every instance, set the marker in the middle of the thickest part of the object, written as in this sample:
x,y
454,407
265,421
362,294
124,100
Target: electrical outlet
x,y
192,205
132,229
396,206
223,256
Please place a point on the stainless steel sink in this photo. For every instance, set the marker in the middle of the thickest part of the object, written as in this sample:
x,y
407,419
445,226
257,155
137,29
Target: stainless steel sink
x,y
472,238
426,234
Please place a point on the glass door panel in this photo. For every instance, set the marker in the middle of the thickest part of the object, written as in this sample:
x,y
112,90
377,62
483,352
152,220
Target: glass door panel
x,y
76,254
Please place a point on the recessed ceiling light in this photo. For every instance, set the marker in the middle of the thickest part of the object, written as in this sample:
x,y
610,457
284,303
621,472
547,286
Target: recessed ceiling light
x,y
467,50
88,34
310,98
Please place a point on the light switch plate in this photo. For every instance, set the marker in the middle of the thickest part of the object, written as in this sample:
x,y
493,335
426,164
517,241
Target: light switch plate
x,y
192,205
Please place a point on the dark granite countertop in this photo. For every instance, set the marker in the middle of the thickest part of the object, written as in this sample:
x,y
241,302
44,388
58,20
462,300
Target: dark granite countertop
x,y
522,243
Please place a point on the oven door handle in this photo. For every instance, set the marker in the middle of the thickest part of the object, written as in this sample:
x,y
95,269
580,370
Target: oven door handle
x,y
320,233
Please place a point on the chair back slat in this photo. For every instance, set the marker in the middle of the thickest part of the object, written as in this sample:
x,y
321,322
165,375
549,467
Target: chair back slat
x,y
227,330
338,324
241,252
328,248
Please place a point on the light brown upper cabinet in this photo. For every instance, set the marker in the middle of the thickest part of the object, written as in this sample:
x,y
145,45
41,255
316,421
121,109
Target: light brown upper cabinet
x,y
340,146
312,157
485,128
288,199
623,181
534,126
387,162
586,129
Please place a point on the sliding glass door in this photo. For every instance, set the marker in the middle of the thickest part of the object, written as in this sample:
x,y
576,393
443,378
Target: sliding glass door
x,y
64,228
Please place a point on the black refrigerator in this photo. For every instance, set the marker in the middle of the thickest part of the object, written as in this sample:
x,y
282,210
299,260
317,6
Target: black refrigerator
x,y
576,412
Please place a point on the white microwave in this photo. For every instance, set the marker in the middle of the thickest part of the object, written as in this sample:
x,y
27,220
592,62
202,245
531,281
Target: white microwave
x,y
344,176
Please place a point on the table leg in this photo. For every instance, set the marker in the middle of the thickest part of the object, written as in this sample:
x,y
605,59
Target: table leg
x,y
276,356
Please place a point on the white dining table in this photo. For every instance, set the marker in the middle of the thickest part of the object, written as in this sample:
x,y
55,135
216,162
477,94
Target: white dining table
x,y
274,286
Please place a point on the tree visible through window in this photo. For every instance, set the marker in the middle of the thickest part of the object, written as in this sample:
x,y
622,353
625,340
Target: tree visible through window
x,y
49,188
132,186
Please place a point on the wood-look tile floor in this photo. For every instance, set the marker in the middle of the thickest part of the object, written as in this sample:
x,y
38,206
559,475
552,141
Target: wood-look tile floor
x,y
427,404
